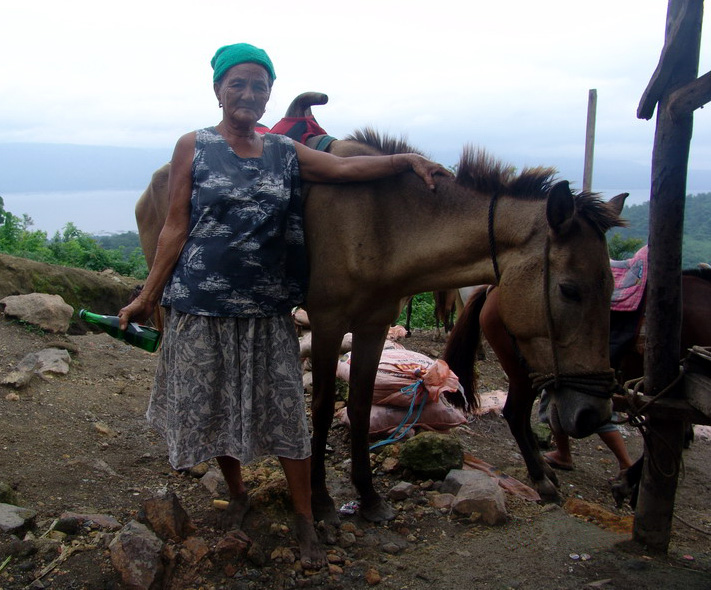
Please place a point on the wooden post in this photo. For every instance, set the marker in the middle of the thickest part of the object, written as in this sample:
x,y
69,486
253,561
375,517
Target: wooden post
x,y
590,140
678,67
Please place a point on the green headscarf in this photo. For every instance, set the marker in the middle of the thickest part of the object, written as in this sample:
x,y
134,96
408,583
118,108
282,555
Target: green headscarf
x,y
239,53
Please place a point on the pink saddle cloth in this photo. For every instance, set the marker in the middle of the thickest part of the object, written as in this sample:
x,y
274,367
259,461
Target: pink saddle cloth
x,y
630,281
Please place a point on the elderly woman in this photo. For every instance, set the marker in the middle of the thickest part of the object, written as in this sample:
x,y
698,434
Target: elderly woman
x,y
230,265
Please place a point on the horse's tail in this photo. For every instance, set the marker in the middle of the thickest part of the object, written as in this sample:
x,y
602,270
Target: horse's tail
x,y
460,352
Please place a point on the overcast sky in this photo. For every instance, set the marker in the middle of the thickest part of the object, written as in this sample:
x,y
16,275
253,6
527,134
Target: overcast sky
x,y
511,76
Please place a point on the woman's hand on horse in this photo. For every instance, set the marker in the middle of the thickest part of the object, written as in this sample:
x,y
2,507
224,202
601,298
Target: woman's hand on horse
x,y
426,169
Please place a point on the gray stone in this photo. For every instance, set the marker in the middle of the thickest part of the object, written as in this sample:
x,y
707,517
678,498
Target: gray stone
x,y
48,360
15,518
402,491
456,478
49,312
213,481
483,496
101,521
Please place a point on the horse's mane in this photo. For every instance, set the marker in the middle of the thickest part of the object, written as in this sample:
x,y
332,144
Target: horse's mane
x,y
480,172
383,143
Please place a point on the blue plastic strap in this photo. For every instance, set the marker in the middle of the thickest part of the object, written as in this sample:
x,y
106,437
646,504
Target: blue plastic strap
x,y
396,434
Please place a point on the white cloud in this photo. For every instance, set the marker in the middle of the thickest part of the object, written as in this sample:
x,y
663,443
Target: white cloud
x,y
512,76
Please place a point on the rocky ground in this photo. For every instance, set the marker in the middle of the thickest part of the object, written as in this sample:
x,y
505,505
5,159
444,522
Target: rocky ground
x,y
78,443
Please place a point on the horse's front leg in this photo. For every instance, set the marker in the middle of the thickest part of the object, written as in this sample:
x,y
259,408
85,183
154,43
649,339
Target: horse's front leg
x,y
517,412
324,358
365,358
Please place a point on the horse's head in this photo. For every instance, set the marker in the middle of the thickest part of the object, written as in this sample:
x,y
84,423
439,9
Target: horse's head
x,y
555,301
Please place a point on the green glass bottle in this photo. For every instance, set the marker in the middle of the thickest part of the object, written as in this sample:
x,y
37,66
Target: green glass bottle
x,y
144,337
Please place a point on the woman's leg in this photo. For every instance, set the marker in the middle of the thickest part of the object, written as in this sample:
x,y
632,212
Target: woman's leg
x,y
239,499
298,476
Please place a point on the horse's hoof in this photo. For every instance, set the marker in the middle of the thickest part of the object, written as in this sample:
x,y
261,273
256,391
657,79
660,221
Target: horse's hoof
x,y
379,511
324,510
548,492
551,475
621,489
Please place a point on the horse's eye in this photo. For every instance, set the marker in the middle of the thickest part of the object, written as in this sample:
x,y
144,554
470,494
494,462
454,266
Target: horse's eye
x,y
570,292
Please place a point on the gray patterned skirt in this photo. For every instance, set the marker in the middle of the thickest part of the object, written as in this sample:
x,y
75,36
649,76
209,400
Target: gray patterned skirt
x,y
229,387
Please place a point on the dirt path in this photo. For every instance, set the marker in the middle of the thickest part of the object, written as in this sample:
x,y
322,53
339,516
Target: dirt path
x,y
79,443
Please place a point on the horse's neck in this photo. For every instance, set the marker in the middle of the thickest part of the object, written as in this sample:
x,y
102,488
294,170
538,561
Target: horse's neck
x,y
459,241
513,228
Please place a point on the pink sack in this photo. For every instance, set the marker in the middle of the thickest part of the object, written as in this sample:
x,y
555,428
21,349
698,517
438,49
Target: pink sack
x,y
384,420
402,372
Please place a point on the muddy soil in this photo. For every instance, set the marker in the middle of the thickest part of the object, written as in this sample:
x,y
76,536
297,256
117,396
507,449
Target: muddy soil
x,y
79,443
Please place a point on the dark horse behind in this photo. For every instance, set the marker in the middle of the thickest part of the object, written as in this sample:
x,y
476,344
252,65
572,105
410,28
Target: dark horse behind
x,y
482,314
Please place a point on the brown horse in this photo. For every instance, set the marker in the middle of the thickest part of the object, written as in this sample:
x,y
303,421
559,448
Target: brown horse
x,y
373,245
546,244
482,311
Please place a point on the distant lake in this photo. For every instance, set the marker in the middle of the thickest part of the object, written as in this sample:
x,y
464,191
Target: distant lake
x,y
94,212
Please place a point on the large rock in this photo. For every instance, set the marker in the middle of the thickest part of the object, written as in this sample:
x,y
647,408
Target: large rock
x,y
167,517
476,492
48,360
136,555
14,519
49,312
432,454
102,292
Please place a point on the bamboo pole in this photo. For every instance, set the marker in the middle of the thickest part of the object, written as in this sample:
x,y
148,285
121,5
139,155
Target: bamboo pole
x,y
590,140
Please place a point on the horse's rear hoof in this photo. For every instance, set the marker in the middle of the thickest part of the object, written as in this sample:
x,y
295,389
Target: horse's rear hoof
x,y
380,511
548,492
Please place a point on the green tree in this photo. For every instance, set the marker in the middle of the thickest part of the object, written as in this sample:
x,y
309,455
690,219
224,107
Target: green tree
x,y
71,247
423,316
622,248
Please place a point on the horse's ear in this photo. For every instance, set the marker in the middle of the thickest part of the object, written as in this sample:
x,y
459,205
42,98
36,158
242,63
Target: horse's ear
x,y
560,207
617,202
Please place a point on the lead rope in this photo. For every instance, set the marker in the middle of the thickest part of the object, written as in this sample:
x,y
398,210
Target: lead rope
x,y
549,311
492,241
636,419
599,384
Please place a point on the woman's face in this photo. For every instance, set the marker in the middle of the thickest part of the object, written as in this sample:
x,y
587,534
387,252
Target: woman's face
x,y
244,91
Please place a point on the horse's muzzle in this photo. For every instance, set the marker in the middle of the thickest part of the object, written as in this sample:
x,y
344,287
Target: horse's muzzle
x,y
578,414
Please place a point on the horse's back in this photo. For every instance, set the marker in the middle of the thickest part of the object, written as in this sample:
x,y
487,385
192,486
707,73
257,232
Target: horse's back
x,y
151,211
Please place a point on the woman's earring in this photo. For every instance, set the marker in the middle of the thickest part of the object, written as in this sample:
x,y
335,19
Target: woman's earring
x,y
219,104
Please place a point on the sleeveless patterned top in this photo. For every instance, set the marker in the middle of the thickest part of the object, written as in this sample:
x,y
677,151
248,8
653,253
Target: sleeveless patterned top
x,y
245,254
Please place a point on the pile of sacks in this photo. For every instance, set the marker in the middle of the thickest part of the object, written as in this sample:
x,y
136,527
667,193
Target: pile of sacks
x,y
409,387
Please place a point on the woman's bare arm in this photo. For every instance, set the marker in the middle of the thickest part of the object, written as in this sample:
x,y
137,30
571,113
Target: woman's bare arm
x,y
319,166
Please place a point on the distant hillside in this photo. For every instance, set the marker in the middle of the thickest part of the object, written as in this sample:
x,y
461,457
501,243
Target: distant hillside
x,y
44,167
697,228
30,167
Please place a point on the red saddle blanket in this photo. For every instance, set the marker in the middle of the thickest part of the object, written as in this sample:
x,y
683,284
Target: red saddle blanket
x,y
630,281
298,128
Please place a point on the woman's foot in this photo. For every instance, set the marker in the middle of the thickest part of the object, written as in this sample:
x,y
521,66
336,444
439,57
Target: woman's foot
x,y
236,511
313,556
